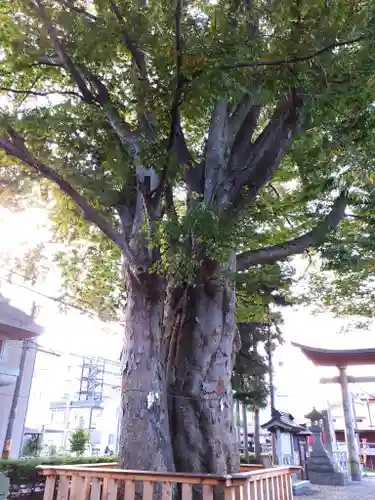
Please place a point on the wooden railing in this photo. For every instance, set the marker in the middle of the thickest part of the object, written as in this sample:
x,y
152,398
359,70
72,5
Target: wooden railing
x,y
104,465
104,483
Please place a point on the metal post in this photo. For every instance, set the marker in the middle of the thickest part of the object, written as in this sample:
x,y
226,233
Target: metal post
x,y
350,425
245,432
238,427
66,423
369,411
257,445
90,418
275,457
270,369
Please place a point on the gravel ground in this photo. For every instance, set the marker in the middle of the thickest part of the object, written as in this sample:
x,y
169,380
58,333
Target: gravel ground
x,y
356,491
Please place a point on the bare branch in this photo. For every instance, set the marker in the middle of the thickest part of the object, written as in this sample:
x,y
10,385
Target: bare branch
x,y
14,146
276,253
293,59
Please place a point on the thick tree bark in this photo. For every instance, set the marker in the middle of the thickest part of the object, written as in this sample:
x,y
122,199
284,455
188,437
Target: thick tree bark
x,y
145,442
201,334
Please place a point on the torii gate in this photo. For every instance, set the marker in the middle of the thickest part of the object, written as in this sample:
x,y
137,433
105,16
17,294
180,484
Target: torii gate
x,y
341,359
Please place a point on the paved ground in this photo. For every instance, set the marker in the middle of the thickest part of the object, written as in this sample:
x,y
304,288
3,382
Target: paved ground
x,y
362,491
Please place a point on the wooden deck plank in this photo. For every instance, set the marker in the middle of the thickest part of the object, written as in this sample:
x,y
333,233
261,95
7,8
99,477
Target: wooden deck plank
x,y
129,490
63,489
49,488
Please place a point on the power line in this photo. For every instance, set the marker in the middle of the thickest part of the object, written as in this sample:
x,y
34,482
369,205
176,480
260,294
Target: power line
x,y
26,278
55,352
55,299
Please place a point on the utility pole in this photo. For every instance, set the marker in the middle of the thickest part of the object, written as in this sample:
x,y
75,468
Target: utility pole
x,y
16,396
270,368
257,445
272,387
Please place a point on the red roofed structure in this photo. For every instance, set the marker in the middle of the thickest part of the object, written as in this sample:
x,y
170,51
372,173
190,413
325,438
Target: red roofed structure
x,y
341,358
337,357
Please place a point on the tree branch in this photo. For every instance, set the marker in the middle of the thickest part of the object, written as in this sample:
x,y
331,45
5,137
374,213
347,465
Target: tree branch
x,y
81,75
175,110
142,83
40,94
69,5
136,53
249,175
46,60
66,60
242,142
176,141
293,59
14,146
215,161
239,115
276,253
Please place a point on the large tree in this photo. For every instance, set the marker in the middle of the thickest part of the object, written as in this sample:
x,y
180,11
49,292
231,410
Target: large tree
x,y
161,123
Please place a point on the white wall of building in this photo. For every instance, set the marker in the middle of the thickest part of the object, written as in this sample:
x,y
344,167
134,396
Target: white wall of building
x,y
10,360
364,412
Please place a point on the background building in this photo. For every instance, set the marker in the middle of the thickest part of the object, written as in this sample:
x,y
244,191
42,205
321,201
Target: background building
x,y
90,399
364,407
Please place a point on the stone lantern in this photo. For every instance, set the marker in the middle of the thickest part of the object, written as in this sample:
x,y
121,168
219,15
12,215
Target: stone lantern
x,y
321,467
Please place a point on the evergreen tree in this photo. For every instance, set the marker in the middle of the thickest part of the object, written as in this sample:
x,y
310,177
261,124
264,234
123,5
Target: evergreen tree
x,y
250,369
78,441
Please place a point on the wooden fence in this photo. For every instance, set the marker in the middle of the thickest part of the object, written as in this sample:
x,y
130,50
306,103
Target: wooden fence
x,y
104,483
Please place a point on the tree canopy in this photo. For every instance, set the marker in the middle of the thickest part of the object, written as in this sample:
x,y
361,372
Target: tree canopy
x,y
88,83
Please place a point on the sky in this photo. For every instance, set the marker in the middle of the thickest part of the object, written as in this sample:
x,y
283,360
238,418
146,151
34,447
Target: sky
x,y
20,231
296,379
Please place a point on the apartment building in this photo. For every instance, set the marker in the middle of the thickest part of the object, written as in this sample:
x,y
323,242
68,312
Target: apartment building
x,y
18,332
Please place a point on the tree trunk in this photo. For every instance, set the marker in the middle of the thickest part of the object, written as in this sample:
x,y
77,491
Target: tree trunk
x,y
200,359
145,442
